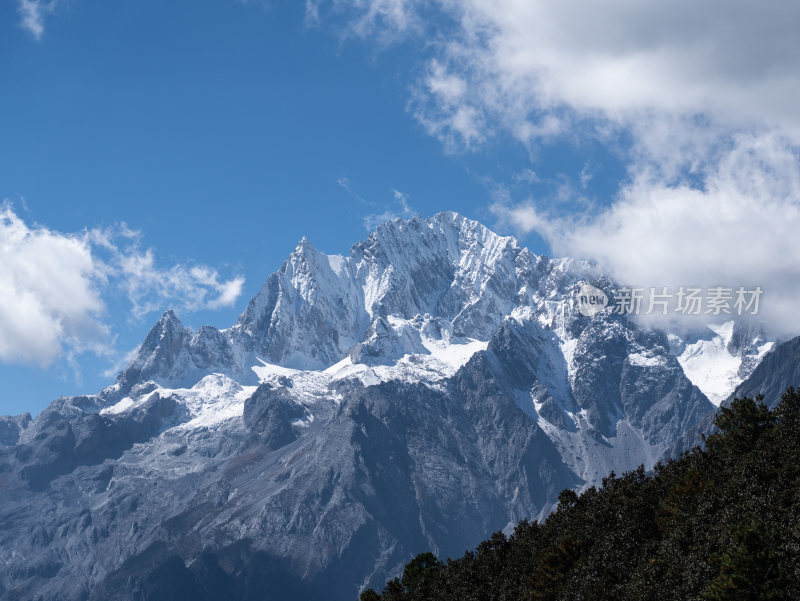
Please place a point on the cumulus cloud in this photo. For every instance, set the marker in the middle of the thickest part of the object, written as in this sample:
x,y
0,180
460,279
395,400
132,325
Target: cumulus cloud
x,y
535,68
49,293
32,14
704,95
739,229
678,78
54,288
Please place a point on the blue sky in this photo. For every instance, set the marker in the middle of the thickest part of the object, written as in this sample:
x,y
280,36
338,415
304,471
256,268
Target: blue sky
x,y
219,133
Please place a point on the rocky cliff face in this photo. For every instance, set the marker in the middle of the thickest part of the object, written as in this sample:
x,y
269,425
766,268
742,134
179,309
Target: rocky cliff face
x,y
778,370
434,386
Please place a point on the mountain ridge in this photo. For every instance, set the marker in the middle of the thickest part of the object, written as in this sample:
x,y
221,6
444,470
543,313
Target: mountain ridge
x,y
440,374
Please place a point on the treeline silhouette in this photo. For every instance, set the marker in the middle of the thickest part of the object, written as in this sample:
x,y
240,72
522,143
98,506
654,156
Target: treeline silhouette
x,y
720,523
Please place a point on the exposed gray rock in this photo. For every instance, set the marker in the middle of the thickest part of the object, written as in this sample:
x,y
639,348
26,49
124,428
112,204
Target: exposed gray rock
x,y
11,426
434,386
778,370
269,413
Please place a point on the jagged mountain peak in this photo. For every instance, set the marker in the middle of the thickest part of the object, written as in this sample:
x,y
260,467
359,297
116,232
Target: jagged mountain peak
x,y
304,250
445,231
442,266
318,309
158,354
438,374
168,323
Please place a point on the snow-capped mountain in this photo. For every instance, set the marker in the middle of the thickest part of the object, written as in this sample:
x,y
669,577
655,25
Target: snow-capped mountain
x,y
404,282
721,358
432,387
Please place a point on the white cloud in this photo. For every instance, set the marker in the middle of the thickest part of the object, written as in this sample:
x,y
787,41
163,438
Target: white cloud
x,y
402,199
680,78
54,288
150,287
32,14
740,229
184,287
344,184
443,106
705,92
386,19
49,293
534,68
394,210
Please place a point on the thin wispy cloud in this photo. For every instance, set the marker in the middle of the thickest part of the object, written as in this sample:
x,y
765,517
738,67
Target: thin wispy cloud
x,y
388,21
396,209
381,212
32,14
55,287
150,287
344,184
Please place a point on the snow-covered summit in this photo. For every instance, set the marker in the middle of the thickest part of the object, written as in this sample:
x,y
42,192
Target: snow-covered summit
x,y
361,405
720,359
371,307
316,307
312,312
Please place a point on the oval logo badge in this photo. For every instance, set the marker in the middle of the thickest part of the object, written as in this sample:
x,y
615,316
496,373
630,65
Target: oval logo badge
x,y
591,300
